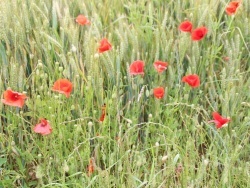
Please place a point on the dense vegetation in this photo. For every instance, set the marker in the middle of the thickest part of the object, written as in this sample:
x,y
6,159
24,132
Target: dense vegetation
x,y
142,140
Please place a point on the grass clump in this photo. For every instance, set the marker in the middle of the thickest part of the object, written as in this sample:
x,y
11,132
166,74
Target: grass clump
x,y
135,140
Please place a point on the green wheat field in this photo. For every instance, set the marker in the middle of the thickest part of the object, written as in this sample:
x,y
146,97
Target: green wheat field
x,y
113,130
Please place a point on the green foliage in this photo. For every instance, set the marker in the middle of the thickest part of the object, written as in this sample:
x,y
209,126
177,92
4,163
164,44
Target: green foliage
x,y
40,42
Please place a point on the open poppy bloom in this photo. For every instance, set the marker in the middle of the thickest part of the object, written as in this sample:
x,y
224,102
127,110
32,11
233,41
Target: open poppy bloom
x,y
63,86
199,33
137,67
219,120
193,80
82,20
101,119
13,98
159,92
186,26
232,7
104,45
43,127
160,66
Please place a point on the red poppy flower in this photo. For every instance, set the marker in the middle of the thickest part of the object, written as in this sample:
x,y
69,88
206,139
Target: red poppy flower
x,y
104,46
219,120
43,127
159,92
82,20
160,66
186,26
13,98
101,119
137,67
193,80
232,7
63,86
199,33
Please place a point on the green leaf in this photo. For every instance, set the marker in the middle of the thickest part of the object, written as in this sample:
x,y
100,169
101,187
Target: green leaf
x,y
2,161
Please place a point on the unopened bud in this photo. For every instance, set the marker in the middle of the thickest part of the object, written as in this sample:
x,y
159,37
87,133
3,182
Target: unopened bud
x,y
164,158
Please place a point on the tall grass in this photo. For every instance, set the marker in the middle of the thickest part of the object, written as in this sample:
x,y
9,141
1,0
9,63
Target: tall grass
x,y
143,142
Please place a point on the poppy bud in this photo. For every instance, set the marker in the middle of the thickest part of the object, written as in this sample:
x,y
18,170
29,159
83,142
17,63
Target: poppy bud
x,y
205,162
164,158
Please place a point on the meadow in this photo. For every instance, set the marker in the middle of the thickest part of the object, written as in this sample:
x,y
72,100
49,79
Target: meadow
x,y
151,94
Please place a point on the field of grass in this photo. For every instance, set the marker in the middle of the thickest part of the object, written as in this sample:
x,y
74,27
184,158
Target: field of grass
x,y
142,141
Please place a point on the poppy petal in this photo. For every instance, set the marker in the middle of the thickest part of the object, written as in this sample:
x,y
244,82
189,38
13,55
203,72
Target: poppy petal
x,y
13,98
63,86
160,66
216,116
199,33
192,80
219,120
159,92
43,128
82,20
136,68
186,26
104,45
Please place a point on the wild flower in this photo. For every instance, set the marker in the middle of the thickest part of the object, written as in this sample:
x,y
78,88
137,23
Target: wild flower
x,y
232,7
63,86
160,66
159,92
13,98
199,33
219,120
103,114
186,26
193,80
43,127
104,46
82,20
137,68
